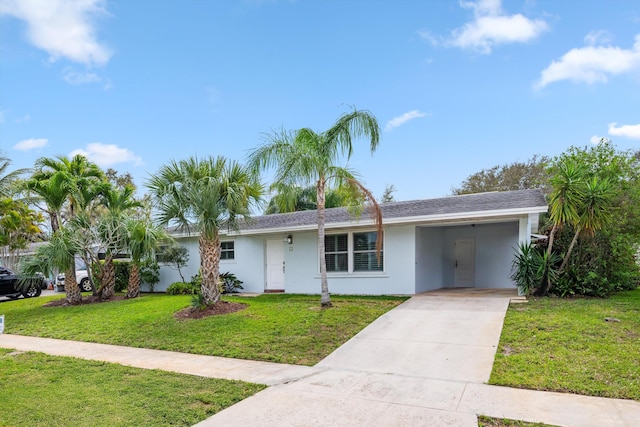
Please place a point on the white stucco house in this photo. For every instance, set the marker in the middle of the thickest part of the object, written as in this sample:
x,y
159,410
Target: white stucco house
x,y
457,241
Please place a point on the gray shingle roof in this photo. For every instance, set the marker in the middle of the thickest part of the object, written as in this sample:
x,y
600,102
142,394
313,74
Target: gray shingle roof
x,y
470,203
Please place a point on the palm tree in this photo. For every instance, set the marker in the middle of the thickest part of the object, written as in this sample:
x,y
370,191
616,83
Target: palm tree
x,y
8,179
293,198
204,195
112,230
594,211
142,239
57,181
57,254
305,157
566,195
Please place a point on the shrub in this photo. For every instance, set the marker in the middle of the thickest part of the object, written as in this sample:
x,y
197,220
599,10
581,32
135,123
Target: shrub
x,y
229,283
123,269
149,273
182,288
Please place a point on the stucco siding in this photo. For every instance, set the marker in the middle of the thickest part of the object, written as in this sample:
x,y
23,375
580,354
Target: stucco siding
x,y
429,258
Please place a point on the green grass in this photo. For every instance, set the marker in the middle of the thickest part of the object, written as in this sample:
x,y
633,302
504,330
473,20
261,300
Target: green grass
x,y
43,390
502,422
566,345
276,328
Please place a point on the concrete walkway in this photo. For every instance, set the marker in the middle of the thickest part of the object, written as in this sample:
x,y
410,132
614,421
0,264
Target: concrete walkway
x,y
424,363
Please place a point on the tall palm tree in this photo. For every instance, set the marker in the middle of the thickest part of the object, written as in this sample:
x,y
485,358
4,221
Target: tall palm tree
x,y
142,238
112,231
293,198
305,157
62,181
204,195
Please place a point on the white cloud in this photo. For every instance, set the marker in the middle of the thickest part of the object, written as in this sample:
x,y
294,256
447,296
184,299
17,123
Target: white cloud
x,y
62,28
24,119
597,38
400,120
491,26
629,131
595,139
107,155
30,144
592,64
76,78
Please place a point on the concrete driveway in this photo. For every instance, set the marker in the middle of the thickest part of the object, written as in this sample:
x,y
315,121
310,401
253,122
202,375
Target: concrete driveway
x,y
409,367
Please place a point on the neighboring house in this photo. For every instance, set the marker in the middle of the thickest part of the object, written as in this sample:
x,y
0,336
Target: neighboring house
x,y
458,241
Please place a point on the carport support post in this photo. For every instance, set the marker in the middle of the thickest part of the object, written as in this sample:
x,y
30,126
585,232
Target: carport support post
x,y
524,235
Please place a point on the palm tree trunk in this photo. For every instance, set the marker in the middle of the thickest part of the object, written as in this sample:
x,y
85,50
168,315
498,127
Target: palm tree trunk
x,y
546,281
210,268
565,261
71,287
108,278
133,287
325,297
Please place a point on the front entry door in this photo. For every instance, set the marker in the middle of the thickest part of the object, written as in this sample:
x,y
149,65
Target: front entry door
x,y
464,263
275,266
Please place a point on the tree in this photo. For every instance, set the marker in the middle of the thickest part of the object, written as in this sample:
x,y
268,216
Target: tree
x,y
176,255
60,182
113,232
57,254
304,157
293,198
8,179
387,195
594,211
204,195
19,226
142,239
507,177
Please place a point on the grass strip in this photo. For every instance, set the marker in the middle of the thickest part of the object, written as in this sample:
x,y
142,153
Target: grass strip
x,y
42,390
275,328
584,345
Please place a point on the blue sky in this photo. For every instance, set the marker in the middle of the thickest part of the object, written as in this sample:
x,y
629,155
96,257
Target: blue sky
x,y
456,86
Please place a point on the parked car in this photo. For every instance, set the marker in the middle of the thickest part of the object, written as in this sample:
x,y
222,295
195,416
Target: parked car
x,y
82,277
12,285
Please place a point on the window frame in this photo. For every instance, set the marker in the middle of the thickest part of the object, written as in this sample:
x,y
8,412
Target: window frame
x,y
351,271
231,250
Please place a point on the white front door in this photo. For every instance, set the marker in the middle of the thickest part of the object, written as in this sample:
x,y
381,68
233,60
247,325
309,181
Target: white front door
x,y
464,263
275,266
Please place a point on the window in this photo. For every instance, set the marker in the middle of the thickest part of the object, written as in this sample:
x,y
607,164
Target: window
x,y
227,250
352,252
336,252
364,252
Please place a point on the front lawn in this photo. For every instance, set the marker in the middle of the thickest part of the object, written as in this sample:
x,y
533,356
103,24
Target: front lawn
x,y
567,345
276,328
42,390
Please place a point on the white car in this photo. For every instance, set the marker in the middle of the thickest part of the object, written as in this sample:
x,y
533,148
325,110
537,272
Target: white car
x,y
82,277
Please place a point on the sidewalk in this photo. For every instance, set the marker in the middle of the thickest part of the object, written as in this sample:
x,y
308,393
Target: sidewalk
x,y
423,363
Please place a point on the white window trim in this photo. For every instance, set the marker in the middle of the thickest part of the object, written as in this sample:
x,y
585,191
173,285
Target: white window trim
x,y
235,249
350,258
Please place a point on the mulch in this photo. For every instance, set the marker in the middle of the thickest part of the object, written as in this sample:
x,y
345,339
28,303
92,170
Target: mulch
x,y
221,307
62,302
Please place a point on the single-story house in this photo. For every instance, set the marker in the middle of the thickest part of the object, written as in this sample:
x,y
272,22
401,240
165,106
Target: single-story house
x,y
457,241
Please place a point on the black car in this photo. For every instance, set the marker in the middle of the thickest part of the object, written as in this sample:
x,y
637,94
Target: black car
x,y
12,285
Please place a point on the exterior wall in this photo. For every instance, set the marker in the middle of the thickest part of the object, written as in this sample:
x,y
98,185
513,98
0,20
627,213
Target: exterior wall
x,y
494,250
429,259
169,274
303,270
247,265
416,259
